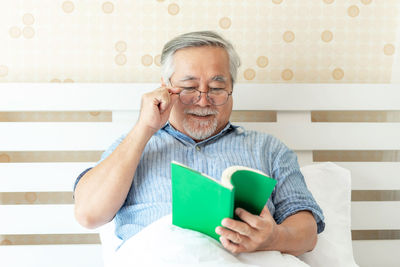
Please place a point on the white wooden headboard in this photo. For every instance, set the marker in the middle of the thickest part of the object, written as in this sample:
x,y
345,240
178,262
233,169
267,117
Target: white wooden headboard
x,y
37,231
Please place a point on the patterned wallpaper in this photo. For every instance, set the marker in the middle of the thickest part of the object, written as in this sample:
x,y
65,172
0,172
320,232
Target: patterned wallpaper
x,y
355,41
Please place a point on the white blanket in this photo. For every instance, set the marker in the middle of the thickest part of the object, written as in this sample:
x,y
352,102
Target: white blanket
x,y
163,244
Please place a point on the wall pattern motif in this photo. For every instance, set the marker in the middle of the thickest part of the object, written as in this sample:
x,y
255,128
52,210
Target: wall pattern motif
x,y
310,41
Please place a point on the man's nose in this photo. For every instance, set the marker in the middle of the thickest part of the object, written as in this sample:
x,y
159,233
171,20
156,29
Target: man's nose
x,y
203,102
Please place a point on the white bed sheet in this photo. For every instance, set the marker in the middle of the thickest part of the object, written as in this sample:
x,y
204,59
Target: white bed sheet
x,y
162,244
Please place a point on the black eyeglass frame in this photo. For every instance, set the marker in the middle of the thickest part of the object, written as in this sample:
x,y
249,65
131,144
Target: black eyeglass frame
x,y
199,97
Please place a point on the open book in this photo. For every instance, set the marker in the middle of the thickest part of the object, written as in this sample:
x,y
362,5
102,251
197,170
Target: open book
x,y
200,202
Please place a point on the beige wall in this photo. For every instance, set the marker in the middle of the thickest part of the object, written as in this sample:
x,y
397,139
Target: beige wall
x,y
120,41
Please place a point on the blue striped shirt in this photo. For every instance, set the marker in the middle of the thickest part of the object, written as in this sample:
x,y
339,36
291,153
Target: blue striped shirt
x,y
150,196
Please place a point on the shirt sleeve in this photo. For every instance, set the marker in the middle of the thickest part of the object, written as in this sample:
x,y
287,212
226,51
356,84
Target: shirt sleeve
x,y
291,194
103,157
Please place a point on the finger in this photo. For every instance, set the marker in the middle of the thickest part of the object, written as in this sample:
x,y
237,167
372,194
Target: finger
x,y
173,90
233,236
265,212
253,220
237,231
164,99
234,248
173,99
161,102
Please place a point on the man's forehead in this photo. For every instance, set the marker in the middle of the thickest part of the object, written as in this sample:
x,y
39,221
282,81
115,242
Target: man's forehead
x,y
218,78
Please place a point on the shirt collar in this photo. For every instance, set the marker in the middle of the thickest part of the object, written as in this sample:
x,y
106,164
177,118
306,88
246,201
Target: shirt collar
x,y
187,139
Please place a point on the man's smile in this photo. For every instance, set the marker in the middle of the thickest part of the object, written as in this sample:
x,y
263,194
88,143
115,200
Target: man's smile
x,y
201,117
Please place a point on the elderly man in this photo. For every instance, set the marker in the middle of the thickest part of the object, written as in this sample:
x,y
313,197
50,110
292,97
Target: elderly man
x,y
187,120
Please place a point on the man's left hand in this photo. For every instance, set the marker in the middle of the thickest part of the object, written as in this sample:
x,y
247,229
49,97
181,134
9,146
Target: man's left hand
x,y
252,234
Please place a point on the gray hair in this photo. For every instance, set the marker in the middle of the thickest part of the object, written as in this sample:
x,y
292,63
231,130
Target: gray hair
x,y
197,39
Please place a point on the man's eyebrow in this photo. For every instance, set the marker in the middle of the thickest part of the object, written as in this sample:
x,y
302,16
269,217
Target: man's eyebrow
x,y
188,78
219,78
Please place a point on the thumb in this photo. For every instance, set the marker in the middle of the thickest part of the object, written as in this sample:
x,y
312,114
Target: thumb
x,y
265,212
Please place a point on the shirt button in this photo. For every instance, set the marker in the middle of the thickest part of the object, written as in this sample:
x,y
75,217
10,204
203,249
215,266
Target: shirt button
x,y
198,148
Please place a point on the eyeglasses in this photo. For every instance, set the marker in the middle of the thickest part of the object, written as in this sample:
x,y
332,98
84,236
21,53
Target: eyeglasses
x,y
215,96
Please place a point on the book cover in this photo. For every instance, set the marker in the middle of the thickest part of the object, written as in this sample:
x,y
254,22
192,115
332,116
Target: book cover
x,y
200,202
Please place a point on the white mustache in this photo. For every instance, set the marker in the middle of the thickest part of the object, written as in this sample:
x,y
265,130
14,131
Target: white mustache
x,y
201,111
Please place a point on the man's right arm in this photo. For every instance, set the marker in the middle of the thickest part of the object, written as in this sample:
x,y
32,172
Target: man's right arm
x,y
101,191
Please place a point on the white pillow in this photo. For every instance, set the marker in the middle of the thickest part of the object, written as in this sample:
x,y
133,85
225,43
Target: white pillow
x,y
330,185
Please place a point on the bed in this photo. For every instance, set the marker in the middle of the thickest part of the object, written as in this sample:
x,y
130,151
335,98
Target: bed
x,y
41,156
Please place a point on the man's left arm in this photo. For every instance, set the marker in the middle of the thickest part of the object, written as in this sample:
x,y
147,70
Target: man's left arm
x,y
296,235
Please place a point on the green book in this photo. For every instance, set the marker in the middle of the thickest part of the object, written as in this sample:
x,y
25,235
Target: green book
x,y
200,202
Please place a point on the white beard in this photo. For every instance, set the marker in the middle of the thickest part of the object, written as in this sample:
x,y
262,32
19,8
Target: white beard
x,y
200,130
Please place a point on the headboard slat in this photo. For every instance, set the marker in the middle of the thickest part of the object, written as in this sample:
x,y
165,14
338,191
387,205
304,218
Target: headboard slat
x,y
52,255
369,215
371,253
40,219
126,96
62,136
96,136
373,175
40,177
333,136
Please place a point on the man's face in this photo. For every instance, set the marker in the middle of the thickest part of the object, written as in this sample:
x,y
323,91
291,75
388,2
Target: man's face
x,y
201,68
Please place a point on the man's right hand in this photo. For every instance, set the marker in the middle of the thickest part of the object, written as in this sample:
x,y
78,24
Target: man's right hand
x,y
101,192
156,107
